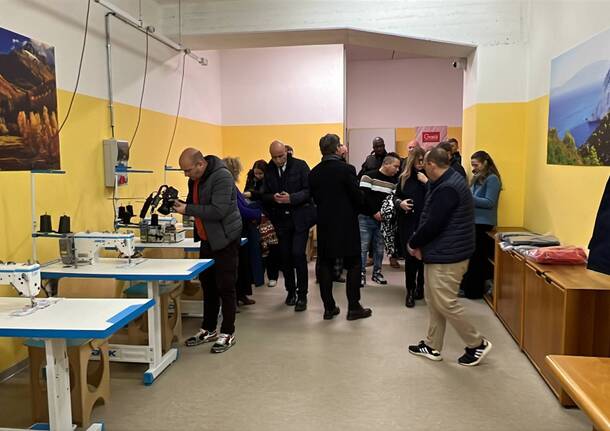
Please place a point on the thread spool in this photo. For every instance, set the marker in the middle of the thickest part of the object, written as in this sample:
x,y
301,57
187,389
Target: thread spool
x,y
45,223
64,224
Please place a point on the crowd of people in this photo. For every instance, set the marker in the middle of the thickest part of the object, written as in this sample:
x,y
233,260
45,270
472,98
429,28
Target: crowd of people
x,y
421,208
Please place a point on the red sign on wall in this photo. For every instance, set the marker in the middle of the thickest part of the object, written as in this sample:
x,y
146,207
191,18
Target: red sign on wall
x,y
431,136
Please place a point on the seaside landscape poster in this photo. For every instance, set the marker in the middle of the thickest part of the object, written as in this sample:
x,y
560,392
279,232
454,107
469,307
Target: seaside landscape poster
x,y
28,104
579,107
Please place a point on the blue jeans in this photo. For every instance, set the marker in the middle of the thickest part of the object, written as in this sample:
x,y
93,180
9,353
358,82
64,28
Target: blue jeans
x,y
370,229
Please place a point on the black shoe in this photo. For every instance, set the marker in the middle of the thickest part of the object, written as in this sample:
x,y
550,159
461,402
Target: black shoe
x,y
473,357
419,293
291,299
422,349
301,304
329,314
360,313
410,301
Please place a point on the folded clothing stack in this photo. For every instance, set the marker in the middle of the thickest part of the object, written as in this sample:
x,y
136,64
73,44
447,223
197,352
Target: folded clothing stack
x,y
525,241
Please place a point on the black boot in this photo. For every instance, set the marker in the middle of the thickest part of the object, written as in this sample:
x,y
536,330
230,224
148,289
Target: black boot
x,y
419,292
329,313
291,299
359,313
301,304
410,301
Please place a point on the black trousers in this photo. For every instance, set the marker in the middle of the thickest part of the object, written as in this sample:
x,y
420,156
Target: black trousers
x,y
218,283
292,245
414,273
326,271
272,262
244,274
479,268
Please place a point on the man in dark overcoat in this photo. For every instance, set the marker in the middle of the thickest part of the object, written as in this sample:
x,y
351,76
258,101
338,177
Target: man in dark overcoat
x,y
287,202
334,187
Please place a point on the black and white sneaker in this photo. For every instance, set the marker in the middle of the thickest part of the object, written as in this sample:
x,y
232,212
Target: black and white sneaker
x,y
378,278
201,337
363,279
422,349
473,357
224,343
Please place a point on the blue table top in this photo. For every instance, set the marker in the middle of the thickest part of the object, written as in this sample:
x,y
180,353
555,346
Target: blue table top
x,y
70,318
141,269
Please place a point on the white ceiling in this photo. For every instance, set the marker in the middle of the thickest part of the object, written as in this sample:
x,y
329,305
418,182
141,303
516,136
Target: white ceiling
x,y
364,53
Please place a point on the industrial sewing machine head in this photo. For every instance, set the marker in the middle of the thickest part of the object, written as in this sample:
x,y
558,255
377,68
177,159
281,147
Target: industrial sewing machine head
x,y
85,247
25,278
160,229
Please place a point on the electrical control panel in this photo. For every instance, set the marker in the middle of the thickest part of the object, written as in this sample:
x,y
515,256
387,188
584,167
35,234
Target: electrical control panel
x,y
116,158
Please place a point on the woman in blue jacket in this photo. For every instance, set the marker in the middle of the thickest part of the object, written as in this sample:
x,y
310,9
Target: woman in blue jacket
x,y
485,186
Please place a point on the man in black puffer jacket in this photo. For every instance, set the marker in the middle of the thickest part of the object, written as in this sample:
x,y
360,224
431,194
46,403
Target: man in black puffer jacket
x,y
444,240
213,202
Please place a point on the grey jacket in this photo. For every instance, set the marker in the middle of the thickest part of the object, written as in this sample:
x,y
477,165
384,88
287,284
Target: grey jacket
x,y
217,206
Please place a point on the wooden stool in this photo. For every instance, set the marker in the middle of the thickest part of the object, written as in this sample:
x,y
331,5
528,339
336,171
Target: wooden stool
x,y
171,323
169,298
88,385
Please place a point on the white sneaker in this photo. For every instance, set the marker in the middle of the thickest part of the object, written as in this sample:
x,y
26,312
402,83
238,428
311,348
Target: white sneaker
x,y
202,336
271,283
224,343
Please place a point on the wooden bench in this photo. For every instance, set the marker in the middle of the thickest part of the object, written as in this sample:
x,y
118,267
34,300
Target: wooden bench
x,y
587,381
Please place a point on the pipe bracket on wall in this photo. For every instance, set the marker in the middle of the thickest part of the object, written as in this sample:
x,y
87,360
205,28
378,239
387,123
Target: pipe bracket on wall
x,y
150,30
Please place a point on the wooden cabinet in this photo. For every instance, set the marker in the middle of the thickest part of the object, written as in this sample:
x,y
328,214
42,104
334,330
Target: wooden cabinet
x,y
566,311
509,292
543,323
551,309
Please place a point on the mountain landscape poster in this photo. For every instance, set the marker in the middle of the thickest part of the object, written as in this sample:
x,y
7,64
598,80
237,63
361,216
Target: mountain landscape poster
x,y
579,109
28,104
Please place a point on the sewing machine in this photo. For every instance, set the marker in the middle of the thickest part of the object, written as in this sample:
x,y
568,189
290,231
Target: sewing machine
x,y
25,278
160,229
84,247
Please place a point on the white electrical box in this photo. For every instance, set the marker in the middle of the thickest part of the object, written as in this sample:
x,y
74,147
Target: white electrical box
x,y
116,157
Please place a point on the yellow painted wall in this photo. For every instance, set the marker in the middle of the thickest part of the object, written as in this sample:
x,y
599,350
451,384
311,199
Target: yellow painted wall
x,y
562,200
80,193
251,143
499,129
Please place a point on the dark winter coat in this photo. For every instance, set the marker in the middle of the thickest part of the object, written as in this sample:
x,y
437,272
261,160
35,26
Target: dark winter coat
x,y
599,246
294,181
217,207
407,222
334,188
255,187
454,241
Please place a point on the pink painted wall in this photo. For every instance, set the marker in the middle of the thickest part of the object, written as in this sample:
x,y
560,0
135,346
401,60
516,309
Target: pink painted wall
x,y
287,85
403,93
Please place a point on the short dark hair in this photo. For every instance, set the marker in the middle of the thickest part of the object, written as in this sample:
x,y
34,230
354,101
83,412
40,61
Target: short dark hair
x,y
445,145
329,144
438,156
388,158
453,141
